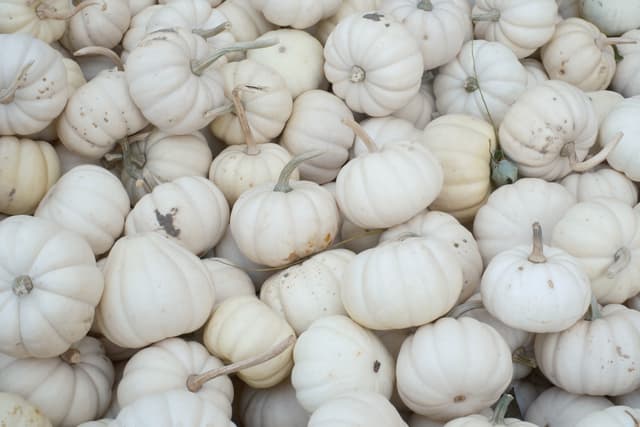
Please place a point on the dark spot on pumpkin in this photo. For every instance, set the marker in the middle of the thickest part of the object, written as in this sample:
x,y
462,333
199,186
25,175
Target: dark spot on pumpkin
x,y
562,72
282,49
166,222
387,25
376,366
456,245
12,192
620,353
459,398
327,238
374,16
520,268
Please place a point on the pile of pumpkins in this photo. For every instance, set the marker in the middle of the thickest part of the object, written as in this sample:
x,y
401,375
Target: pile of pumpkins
x,y
323,213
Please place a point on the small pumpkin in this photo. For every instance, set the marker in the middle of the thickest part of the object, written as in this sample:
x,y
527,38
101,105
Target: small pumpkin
x,y
615,416
613,17
102,24
294,13
27,414
601,182
497,419
367,407
272,407
557,407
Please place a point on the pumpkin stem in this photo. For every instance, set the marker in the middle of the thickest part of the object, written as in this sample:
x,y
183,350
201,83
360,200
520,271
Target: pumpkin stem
x,y
71,356
537,255
425,5
358,74
501,410
199,67
113,157
7,95
195,382
594,309
283,185
621,260
609,41
211,32
492,15
521,357
360,133
102,51
241,113
22,285
570,150
219,111
471,84
461,309
44,11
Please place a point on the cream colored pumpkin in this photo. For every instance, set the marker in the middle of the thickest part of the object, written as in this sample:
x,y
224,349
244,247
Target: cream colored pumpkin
x,y
421,108
365,71
295,13
27,170
625,80
464,146
347,7
90,201
49,284
15,411
191,209
70,389
243,327
316,124
438,26
604,235
613,17
33,87
615,416
535,72
228,280
305,292
402,283
437,377
247,23
228,249
382,131
559,408
601,182
549,130
335,356
578,53
364,407
167,365
603,101
505,220
43,20
272,407
137,29
521,25
266,109
625,156
168,293
102,24
603,353
484,80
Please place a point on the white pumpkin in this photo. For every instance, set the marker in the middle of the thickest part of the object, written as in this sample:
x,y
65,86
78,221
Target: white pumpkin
x,y
70,389
421,108
167,365
615,416
601,182
305,292
597,357
373,63
247,23
297,57
402,283
272,407
559,408
50,286
382,131
228,280
335,356
453,368
578,53
295,13
15,411
497,419
45,21
603,101
535,72
33,88
444,227
137,29
613,264
191,209
521,25
323,28
27,170
613,17
244,327
505,220
464,145
102,24
166,292
357,407
625,80
483,81
439,27
228,249
316,123
90,201
625,156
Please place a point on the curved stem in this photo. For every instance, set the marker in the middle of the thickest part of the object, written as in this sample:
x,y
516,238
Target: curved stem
x,y
471,84
594,309
621,260
461,309
195,382
492,15
521,357
537,254
199,67
594,161
501,410
102,51
7,95
358,74
22,285
252,147
217,112
615,41
283,185
43,11
211,32
71,356
360,133
425,5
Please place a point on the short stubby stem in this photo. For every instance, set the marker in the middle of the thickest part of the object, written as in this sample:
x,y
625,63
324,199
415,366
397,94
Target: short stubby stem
x,y
621,260
425,5
358,74
71,356
537,254
521,357
7,95
471,84
22,285
493,15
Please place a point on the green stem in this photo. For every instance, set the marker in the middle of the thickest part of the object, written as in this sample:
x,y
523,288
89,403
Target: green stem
x,y
22,285
283,185
501,410
537,254
425,5
594,309
199,67
521,357
492,15
7,95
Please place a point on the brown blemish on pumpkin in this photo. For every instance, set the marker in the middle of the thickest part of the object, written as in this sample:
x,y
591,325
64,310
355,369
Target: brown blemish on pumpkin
x,y
620,353
550,284
376,366
292,257
166,222
327,238
459,398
